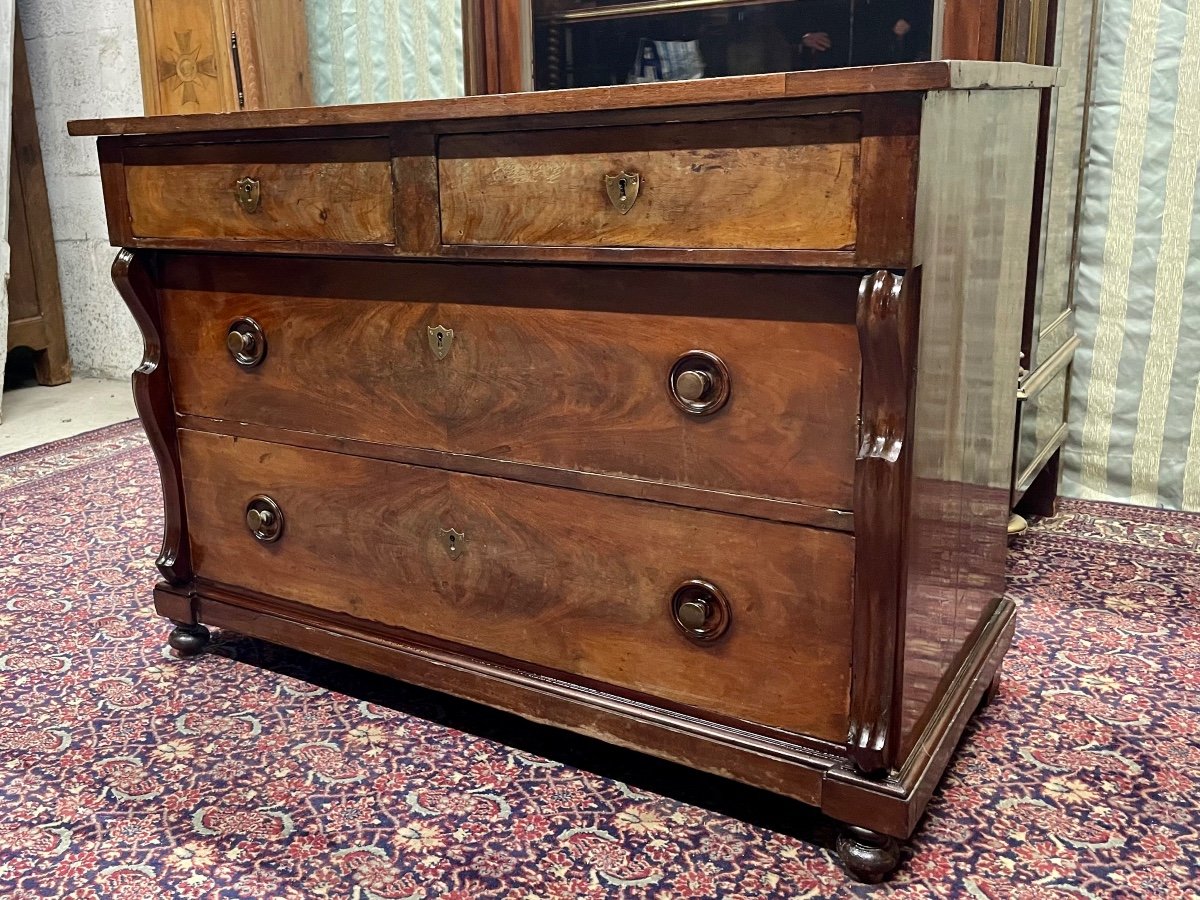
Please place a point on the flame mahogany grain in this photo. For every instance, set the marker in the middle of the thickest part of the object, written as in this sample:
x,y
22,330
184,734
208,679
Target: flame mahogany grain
x,y
544,368
564,580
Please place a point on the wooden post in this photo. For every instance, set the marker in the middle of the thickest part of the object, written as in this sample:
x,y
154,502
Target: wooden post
x,y
8,20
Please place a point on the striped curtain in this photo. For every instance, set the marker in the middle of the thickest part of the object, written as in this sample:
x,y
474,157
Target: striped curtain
x,y
8,13
373,51
1135,404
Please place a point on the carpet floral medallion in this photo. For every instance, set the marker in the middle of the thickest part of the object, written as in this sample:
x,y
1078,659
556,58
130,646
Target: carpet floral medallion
x,y
255,772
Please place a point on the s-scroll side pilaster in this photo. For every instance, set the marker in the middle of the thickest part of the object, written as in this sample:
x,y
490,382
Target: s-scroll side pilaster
x,y
880,501
132,273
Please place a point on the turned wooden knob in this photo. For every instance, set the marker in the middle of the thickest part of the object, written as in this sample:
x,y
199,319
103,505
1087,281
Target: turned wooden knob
x,y
700,610
699,383
246,342
264,518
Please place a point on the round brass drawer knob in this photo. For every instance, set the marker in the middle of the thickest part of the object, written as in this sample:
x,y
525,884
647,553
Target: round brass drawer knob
x,y
693,613
693,385
700,610
264,518
699,383
246,342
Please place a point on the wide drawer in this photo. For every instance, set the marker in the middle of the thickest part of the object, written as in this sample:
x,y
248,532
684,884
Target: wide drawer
x,y
339,191
564,581
550,367
773,184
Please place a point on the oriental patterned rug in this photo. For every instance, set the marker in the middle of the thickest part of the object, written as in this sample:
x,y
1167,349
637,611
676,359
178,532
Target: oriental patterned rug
x,y
255,772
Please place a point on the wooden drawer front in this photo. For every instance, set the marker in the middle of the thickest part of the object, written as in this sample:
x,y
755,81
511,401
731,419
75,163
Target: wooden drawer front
x,y
771,184
581,384
568,581
337,191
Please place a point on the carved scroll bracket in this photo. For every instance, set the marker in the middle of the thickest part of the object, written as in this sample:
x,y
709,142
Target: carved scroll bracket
x,y
132,273
885,387
880,496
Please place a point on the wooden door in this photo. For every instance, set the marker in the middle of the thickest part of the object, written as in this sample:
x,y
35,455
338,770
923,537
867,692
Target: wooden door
x,y
35,301
203,56
272,52
186,63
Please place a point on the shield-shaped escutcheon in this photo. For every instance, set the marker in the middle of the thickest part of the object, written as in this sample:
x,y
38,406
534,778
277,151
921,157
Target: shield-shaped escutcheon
x,y
623,190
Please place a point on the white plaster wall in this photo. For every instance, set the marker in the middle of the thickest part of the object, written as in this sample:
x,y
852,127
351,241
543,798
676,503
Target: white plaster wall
x,y
83,62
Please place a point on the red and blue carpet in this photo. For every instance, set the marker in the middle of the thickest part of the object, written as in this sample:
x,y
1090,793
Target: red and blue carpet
x,y
254,772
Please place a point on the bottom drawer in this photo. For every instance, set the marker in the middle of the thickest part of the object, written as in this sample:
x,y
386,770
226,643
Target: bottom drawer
x,y
581,584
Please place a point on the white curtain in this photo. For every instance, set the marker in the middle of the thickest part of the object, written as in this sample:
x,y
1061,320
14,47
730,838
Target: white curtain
x,y
7,26
373,51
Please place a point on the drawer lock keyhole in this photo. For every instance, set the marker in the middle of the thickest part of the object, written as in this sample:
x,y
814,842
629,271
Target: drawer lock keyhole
x,y
454,541
248,193
622,190
440,340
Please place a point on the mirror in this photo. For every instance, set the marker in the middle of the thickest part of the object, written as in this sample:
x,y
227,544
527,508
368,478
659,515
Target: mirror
x,y
586,43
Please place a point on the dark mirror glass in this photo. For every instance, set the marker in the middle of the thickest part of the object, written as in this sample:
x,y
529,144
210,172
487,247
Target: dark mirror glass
x,y
587,43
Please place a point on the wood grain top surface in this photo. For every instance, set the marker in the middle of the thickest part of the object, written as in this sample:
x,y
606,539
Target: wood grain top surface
x,y
922,76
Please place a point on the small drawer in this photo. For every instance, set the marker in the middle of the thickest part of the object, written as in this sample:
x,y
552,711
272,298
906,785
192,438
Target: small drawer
x,y
735,382
744,618
768,184
338,191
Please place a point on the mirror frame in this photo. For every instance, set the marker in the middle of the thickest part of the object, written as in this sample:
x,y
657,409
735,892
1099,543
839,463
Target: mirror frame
x,y
498,37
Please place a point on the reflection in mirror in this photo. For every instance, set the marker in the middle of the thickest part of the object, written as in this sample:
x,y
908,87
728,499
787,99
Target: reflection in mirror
x,y
585,43
374,51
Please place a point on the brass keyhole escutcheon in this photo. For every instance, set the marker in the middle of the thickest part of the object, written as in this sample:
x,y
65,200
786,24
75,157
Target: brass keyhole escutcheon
x,y
440,340
249,193
454,541
700,610
246,342
699,383
264,518
623,189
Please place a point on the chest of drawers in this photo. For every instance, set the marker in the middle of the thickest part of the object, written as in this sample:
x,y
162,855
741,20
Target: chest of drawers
x,y
678,415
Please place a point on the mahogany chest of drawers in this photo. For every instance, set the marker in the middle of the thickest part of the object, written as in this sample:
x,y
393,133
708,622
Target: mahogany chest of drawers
x,y
679,415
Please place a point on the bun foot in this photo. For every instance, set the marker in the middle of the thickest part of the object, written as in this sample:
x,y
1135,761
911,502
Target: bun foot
x,y
868,857
188,640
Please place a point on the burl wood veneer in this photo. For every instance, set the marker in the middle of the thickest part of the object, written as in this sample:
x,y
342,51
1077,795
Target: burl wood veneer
x,y
327,190
784,184
592,405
